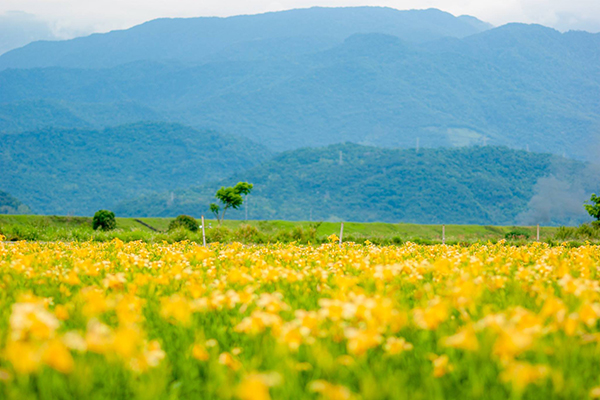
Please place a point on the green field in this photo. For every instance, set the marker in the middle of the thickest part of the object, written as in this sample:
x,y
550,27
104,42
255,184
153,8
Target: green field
x,y
51,228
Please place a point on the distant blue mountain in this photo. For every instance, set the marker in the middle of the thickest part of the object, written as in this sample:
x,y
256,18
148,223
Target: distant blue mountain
x,y
522,86
198,40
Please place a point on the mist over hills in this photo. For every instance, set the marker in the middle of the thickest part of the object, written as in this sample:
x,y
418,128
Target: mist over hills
x,y
78,171
349,182
522,86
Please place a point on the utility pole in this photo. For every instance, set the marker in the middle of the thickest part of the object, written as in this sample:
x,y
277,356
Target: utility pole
x,y
443,234
203,234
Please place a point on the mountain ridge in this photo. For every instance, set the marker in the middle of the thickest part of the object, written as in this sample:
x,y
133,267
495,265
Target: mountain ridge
x,y
78,171
350,182
193,40
372,89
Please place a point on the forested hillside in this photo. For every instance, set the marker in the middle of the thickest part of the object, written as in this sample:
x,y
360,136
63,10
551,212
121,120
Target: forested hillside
x,y
78,171
11,205
523,86
477,185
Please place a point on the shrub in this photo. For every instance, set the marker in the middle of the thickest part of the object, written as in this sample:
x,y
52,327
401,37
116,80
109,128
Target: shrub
x,y
397,240
104,220
565,233
185,222
582,232
587,231
178,234
218,234
248,234
284,236
517,234
25,232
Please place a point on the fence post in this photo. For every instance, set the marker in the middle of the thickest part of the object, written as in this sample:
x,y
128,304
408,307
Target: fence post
x,y
203,234
341,234
538,233
443,234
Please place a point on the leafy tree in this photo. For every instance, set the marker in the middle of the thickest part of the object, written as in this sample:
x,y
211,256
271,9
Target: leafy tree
x,y
230,197
104,220
184,221
594,208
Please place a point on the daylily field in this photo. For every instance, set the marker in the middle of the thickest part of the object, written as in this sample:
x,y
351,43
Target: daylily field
x,y
136,320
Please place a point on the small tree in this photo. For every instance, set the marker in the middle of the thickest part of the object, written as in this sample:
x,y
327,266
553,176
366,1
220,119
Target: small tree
x,y
594,208
104,220
184,221
230,197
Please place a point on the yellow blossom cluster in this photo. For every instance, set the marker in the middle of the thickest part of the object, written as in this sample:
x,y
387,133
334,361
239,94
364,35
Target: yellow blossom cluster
x,y
289,321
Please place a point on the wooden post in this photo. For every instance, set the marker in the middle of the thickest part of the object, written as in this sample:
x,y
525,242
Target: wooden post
x,y
443,234
538,233
203,234
341,234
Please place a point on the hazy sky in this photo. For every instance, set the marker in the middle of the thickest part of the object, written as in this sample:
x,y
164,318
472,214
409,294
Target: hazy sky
x,y
72,17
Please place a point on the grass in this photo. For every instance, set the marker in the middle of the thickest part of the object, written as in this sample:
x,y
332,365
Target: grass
x,y
52,228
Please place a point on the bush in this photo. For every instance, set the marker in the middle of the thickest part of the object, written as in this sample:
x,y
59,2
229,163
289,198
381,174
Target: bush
x,y
517,234
397,240
218,234
248,234
284,236
25,232
104,220
587,231
582,232
565,233
185,222
178,234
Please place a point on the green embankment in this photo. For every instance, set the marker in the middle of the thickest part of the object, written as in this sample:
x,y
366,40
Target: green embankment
x,y
48,228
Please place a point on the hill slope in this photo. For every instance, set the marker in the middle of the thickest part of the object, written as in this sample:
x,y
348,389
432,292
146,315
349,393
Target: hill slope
x,y
59,171
517,85
30,115
197,40
11,205
478,185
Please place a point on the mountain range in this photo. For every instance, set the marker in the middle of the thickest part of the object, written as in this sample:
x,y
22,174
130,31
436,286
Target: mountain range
x,y
200,40
140,116
374,76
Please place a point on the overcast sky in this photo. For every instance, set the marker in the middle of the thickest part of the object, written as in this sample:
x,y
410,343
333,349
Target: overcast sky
x,y
68,18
